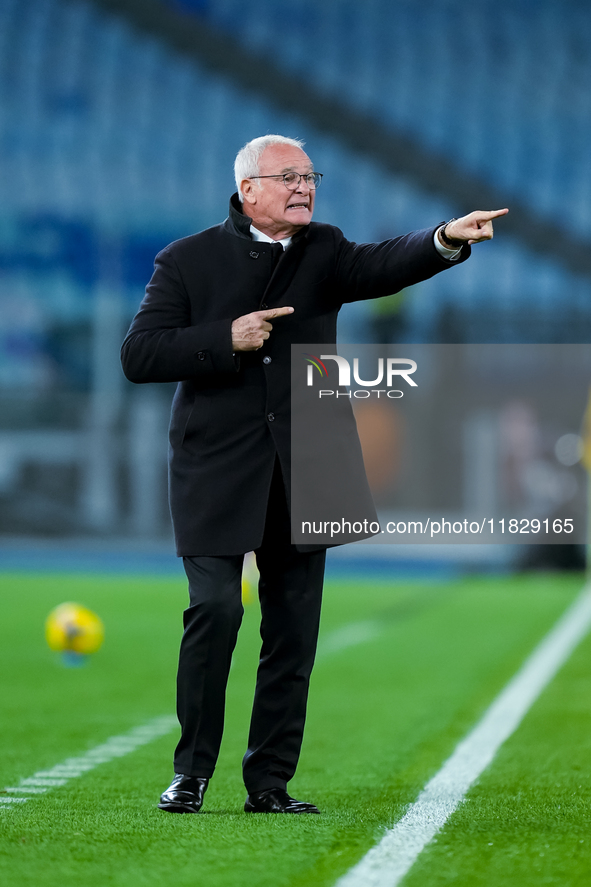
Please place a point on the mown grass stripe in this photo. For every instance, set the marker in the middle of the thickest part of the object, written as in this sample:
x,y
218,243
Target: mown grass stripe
x,y
119,746
388,862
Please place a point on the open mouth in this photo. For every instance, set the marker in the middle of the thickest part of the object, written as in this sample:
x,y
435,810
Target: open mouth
x,y
298,206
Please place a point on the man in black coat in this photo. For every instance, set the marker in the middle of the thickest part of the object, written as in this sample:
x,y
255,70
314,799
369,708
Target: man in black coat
x,y
220,313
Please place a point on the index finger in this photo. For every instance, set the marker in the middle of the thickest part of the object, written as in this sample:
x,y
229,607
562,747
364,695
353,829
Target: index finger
x,y
493,214
275,312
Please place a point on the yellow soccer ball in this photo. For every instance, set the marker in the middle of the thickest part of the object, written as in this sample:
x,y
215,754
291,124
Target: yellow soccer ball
x,y
71,628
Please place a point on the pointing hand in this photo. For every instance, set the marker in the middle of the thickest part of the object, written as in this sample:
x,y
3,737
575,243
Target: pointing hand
x,y
250,331
475,227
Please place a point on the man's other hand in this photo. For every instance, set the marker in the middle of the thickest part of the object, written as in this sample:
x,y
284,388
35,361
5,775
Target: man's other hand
x,y
250,331
475,227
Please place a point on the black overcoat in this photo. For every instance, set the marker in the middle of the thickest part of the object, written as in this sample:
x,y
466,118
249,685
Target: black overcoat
x,y
231,413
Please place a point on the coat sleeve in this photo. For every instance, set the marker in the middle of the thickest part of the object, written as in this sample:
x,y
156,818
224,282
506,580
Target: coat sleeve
x,y
162,346
371,270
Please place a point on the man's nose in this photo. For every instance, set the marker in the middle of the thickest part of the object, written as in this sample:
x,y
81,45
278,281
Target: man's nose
x,y
303,186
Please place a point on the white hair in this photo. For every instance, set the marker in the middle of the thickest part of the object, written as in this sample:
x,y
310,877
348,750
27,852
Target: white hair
x,y
246,165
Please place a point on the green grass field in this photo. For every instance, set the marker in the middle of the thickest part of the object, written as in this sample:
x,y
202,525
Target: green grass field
x,y
384,714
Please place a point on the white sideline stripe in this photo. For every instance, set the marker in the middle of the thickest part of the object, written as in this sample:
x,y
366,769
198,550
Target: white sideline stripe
x,y
348,636
71,768
48,783
24,789
388,862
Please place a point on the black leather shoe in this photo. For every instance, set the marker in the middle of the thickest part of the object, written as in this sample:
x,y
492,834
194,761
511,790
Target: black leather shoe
x,y
184,794
276,800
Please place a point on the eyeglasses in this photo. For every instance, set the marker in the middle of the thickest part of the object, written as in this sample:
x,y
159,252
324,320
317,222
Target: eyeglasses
x,y
292,180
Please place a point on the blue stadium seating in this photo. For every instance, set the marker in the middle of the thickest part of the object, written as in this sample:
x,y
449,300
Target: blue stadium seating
x,y
106,133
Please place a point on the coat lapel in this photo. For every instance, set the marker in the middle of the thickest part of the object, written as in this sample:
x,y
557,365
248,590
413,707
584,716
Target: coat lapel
x,y
239,224
284,270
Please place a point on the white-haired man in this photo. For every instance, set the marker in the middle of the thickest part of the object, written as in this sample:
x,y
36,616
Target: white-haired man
x,y
219,316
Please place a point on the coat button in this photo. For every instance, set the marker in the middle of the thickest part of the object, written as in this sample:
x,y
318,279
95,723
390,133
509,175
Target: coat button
x,y
264,306
253,255
267,360
201,355
271,417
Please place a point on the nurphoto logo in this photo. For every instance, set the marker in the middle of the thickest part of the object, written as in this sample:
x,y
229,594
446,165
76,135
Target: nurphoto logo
x,y
389,370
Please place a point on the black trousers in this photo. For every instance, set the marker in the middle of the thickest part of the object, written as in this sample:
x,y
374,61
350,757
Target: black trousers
x,y
290,592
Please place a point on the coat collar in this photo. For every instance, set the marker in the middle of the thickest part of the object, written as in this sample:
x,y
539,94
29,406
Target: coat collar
x,y
239,224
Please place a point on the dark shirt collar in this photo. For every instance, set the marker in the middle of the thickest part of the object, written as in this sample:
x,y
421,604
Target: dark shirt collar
x,y
239,224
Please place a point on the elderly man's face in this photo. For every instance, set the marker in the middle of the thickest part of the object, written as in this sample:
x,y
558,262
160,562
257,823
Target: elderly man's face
x,y
274,209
